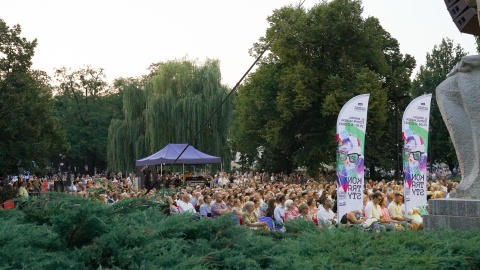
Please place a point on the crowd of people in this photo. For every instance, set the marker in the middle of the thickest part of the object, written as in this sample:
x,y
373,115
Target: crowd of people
x,y
257,201
315,201
111,188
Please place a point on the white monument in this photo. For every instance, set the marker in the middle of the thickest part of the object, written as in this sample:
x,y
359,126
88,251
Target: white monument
x,y
458,98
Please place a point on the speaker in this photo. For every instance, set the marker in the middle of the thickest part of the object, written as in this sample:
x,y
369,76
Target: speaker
x,y
464,16
458,8
467,22
450,3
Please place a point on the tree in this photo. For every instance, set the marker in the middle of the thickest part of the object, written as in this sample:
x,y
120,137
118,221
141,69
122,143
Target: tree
x,y
438,64
396,80
169,106
30,133
327,55
126,136
86,105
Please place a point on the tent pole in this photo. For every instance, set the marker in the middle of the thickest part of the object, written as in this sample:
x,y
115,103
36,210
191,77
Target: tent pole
x,y
183,172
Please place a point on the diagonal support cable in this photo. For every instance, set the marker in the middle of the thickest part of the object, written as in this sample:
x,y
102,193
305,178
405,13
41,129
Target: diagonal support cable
x,y
267,46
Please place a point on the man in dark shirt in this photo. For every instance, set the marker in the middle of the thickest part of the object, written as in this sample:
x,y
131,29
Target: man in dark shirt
x,y
148,178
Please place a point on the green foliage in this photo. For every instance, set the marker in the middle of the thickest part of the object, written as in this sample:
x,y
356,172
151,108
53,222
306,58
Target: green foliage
x,y
85,105
77,233
29,129
169,106
126,137
288,108
438,64
7,194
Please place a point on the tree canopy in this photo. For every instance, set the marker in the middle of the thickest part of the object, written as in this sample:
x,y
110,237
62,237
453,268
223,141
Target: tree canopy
x,y
288,108
29,131
169,106
438,64
85,105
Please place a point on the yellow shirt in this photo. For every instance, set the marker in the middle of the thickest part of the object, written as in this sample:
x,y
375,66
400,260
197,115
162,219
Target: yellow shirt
x,y
395,210
23,192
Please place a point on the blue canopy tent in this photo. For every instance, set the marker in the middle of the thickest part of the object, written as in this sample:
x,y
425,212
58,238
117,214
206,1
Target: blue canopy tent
x,y
170,153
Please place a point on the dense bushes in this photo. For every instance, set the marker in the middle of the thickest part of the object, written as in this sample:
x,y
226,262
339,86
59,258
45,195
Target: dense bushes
x,y
60,232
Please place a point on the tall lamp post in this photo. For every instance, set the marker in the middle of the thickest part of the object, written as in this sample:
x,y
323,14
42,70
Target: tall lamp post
x,y
396,101
61,164
397,140
430,148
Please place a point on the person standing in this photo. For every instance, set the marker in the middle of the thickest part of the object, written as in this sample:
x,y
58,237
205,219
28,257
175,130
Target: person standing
x,y
148,178
22,191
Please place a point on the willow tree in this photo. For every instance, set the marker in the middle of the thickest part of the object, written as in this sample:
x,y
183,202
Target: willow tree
x,y
126,137
171,106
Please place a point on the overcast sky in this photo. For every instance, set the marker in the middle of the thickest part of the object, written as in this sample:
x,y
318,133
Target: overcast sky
x,y
125,36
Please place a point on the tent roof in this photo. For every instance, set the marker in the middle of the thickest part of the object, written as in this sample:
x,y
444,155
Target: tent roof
x,y
170,152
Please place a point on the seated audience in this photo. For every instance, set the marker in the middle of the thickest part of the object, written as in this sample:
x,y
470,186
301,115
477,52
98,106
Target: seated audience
x,y
250,219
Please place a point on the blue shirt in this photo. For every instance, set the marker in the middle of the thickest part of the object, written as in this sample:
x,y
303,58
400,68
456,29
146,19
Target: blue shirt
x,y
205,209
194,201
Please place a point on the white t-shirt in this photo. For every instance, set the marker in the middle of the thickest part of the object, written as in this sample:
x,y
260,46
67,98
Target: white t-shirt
x,y
325,215
374,211
279,213
416,219
186,207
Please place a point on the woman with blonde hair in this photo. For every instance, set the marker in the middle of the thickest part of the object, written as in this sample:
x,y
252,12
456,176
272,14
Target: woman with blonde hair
x,y
236,207
303,211
312,208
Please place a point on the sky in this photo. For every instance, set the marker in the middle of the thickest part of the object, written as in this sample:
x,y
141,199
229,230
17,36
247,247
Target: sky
x,y
125,36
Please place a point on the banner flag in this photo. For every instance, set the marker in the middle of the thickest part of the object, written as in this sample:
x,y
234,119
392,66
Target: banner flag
x,y
351,126
415,125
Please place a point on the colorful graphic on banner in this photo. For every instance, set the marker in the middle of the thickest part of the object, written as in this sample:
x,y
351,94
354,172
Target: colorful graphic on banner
x,y
351,126
415,124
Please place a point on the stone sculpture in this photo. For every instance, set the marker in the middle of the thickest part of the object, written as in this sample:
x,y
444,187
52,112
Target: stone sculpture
x,y
458,98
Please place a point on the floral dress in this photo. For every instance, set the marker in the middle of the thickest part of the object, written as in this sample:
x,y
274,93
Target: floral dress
x,y
312,213
252,218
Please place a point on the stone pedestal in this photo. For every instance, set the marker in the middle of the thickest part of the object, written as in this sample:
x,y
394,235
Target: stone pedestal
x,y
458,214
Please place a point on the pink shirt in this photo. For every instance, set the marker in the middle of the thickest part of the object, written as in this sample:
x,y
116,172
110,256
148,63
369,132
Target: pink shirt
x,y
385,214
291,214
